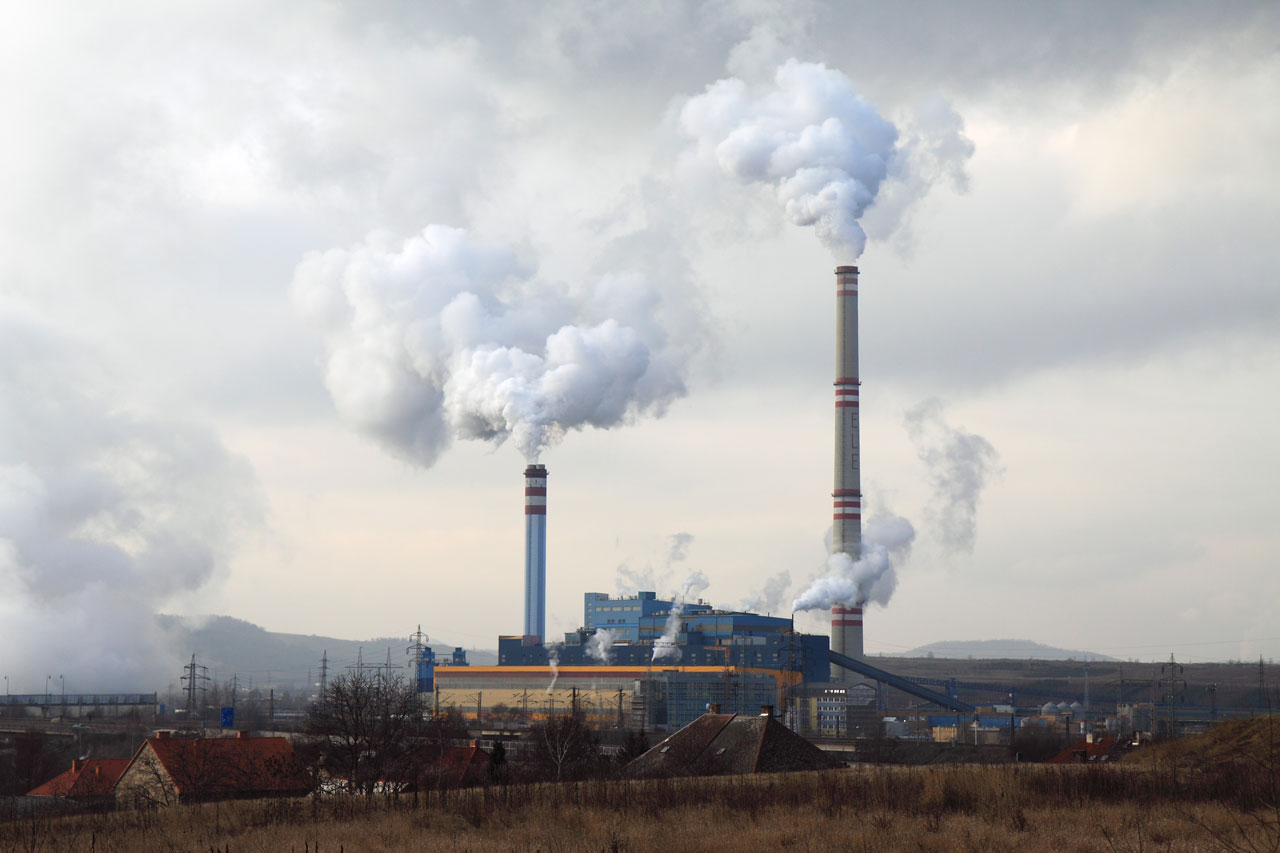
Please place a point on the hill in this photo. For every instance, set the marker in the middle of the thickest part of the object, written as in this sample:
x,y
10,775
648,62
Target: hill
x,y
1000,650
229,646
1255,741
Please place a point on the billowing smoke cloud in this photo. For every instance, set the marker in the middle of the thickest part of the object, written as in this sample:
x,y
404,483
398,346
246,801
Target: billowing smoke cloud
x,y
441,336
665,647
106,514
823,148
871,578
771,597
960,463
600,646
631,579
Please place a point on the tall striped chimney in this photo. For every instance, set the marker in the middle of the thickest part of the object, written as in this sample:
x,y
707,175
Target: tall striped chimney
x,y
846,532
535,551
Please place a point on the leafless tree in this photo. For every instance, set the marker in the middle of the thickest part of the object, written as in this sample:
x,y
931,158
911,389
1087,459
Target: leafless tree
x,y
366,730
564,749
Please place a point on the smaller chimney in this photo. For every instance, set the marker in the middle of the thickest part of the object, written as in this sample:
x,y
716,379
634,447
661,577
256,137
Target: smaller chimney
x,y
76,764
713,708
164,735
766,710
242,735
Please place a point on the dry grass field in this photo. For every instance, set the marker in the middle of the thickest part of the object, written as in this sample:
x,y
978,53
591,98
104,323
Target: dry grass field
x,y
1220,796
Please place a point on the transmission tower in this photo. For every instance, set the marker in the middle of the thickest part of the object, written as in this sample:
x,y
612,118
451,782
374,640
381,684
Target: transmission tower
x,y
324,672
1174,684
195,678
418,649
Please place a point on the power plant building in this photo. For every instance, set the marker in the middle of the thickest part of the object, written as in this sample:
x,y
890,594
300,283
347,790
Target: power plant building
x,y
737,660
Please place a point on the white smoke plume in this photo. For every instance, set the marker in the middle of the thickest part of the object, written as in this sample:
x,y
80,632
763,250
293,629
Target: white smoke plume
x,y
771,597
441,336
665,647
553,661
960,463
107,513
600,646
871,578
631,579
824,150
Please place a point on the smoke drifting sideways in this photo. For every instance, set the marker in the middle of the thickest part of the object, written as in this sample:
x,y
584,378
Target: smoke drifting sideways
x,y
770,598
872,578
442,336
960,464
633,578
826,152
665,647
106,515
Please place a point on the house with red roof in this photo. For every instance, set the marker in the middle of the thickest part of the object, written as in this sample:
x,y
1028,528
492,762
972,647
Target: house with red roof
x,y
1092,751
167,770
88,780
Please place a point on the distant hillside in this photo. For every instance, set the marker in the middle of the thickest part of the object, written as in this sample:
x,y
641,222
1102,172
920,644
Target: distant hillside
x,y
999,649
229,646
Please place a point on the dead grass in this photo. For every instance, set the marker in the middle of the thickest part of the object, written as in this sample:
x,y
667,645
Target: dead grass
x,y
1006,807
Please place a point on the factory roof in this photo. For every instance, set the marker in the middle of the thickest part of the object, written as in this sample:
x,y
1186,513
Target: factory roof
x,y
716,744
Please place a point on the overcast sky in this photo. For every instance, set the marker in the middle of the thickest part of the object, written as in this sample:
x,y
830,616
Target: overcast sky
x,y
269,274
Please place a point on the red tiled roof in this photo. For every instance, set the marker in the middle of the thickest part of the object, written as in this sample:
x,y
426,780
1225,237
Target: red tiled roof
x,y
208,765
94,777
456,765
1084,752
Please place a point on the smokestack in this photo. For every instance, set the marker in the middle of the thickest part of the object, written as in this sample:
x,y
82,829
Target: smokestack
x,y
846,533
535,551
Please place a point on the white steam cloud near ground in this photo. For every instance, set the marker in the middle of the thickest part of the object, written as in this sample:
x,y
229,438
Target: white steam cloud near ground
x,y
666,647
106,514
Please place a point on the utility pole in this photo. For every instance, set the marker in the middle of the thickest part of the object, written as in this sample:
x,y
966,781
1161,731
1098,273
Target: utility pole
x,y
235,684
272,712
1262,684
619,707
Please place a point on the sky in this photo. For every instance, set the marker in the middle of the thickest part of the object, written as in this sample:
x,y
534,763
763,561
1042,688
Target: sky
x,y
290,294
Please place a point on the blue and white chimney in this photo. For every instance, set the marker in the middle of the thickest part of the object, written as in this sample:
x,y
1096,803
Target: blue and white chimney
x,y
535,552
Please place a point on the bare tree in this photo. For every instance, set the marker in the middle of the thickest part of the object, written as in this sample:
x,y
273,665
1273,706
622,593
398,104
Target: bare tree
x,y
366,730
564,749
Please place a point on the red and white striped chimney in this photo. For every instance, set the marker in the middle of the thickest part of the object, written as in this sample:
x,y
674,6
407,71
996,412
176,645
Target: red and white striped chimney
x,y
846,528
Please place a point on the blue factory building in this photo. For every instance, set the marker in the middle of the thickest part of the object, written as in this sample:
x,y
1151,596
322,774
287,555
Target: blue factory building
x,y
705,637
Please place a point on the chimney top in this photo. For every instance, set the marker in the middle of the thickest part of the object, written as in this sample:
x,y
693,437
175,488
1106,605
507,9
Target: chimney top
x,y
713,708
76,764
846,268
766,710
536,471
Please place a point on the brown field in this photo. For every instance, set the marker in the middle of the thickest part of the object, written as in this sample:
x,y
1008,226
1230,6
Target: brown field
x,y
882,808
1217,791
